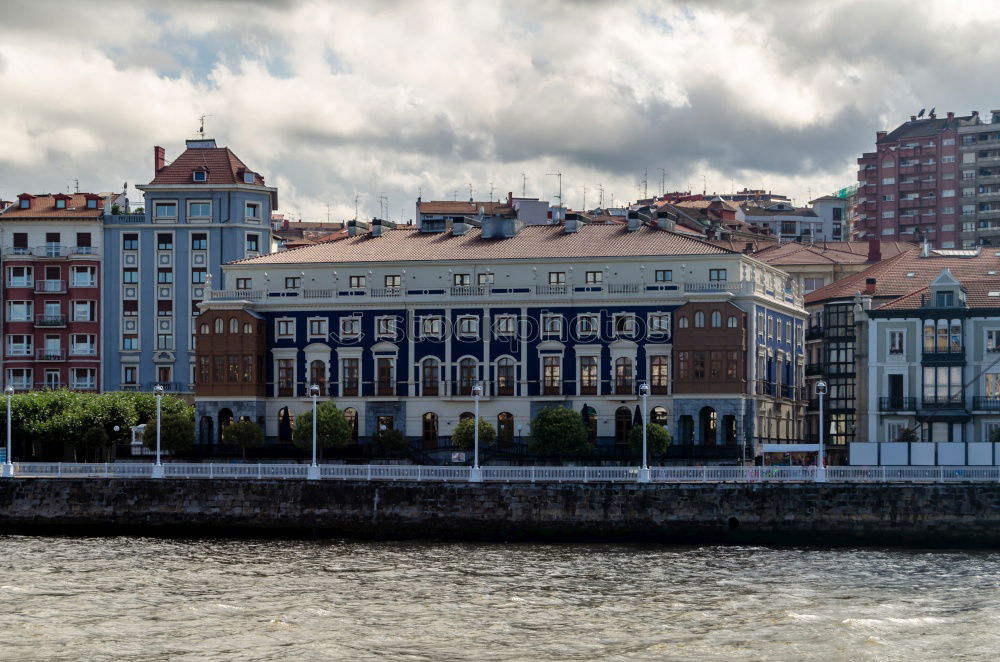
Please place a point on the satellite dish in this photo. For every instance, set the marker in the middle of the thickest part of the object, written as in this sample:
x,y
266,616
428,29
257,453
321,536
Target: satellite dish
x,y
921,113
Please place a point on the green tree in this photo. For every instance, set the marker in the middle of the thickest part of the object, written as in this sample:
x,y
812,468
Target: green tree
x,y
907,434
245,434
332,430
176,433
464,435
94,442
558,431
657,439
389,443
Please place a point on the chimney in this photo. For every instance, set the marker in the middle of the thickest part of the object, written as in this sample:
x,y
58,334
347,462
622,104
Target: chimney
x,y
951,115
925,249
571,224
874,249
879,135
459,227
870,285
748,248
913,118
159,159
510,198
633,221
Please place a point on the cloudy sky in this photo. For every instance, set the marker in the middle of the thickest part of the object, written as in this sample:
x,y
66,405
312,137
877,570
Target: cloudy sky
x,y
334,100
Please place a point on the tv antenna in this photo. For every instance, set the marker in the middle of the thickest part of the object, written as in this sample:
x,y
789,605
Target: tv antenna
x,y
559,175
470,191
663,181
645,183
524,184
356,197
585,197
201,125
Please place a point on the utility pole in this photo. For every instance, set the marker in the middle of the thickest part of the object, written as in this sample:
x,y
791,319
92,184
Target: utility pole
x,y
559,175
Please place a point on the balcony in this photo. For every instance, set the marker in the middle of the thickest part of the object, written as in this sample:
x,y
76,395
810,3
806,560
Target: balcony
x,y
897,403
909,203
553,288
814,333
243,295
956,401
734,287
168,387
814,369
624,288
385,292
468,291
83,350
943,358
986,403
50,320
50,286
50,355
765,387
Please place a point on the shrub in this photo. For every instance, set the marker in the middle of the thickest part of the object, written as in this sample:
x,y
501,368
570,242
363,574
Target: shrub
x,y
390,442
176,433
558,431
332,430
907,434
464,435
245,434
657,439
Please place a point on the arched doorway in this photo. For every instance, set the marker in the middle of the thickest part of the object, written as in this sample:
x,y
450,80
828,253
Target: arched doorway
x,y
708,422
729,429
284,425
225,420
351,414
430,430
505,429
685,429
205,429
623,425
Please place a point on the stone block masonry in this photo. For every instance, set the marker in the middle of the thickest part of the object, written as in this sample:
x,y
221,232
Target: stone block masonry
x,y
800,514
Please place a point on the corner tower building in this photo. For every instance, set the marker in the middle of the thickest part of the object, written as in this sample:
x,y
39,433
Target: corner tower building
x,y
201,210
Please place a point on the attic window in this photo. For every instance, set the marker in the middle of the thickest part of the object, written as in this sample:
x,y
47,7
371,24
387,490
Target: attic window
x,y
248,178
25,203
993,294
200,176
60,203
92,203
911,274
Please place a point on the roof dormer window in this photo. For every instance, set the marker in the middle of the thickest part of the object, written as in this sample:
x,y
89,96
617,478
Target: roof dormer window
x,y
200,175
25,203
60,203
91,203
60,200
248,178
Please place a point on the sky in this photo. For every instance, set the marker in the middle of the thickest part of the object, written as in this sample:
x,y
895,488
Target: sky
x,y
371,104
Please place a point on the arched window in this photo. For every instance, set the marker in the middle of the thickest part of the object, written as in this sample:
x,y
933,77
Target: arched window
x,y
247,328
466,376
430,376
732,322
716,319
658,374
351,414
317,375
285,422
225,420
505,429
430,430
709,423
218,325
623,375
464,415
234,325
588,375
505,376
699,319
204,328
682,322
623,425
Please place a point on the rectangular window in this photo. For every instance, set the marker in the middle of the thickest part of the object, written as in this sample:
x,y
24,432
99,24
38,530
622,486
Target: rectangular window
x,y
244,283
948,193
286,377
947,159
252,211
385,327
84,276
485,279
167,210
164,308
20,276
84,311
293,282
18,345
594,277
130,374
164,241
888,180
430,327
896,342
130,242
252,243
350,377
199,209
199,241
468,326
551,375
586,325
505,325
19,378
83,240
624,324
317,328
552,325
993,340
659,324
130,307
19,311
284,328
21,243
130,341
350,327
83,344
164,275
393,280
699,365
557,278
461,280
664,275
164,341
717,274
198,275
130,276
357,282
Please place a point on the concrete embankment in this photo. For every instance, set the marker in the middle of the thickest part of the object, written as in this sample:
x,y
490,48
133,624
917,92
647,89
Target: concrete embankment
x,y
830,514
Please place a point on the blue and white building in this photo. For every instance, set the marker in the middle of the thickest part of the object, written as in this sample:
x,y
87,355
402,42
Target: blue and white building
x,y
203,209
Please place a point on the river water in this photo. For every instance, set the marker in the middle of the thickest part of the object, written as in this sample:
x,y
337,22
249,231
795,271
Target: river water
x,y
151,599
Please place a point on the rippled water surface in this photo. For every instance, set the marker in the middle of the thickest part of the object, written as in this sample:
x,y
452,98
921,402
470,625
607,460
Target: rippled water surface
x,y
139,598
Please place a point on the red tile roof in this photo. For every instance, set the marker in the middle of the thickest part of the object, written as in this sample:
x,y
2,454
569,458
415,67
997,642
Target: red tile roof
x,y
463,208
533,242
984,293
829,252
893,276
223,167
44,207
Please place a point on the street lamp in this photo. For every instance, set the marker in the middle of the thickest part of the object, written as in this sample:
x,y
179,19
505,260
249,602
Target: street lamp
x,y
158,467
313,472
8,464
820,468
475,475
644,471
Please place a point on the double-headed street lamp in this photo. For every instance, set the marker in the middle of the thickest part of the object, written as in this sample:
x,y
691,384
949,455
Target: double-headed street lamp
x,y
313,472
158,467
8,463
476,475
644,470
820,468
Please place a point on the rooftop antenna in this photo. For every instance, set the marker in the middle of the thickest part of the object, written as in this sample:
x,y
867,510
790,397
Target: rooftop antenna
x,y
491,191
76,183
454,195
585,197
600,189
704,185
470,192
328,213
921,113
645,183
356,196
663,181
524,184
559,175
201,127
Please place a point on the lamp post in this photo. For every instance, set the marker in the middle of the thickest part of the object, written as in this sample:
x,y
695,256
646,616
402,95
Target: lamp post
x,y
644,470
313,472
158,467
476,476
820,468
8,464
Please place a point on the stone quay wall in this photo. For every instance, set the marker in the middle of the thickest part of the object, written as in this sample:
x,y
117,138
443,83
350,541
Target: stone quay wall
x,y
960,515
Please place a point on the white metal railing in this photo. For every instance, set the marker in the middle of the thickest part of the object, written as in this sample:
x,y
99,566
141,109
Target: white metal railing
x,y
530,474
